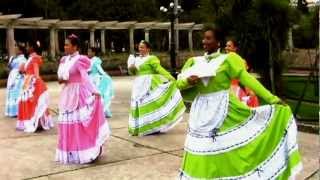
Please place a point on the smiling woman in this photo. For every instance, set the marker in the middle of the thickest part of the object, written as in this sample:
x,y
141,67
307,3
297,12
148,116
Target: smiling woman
x,y
227,139
156,103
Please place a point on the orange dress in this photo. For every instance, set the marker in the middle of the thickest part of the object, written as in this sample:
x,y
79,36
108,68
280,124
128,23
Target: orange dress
x,y
244,94
34,99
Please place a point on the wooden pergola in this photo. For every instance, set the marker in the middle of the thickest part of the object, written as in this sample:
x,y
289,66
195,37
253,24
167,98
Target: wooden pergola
x,y
15,21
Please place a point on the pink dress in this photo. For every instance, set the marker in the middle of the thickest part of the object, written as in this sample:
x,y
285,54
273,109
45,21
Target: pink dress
x,y
82,128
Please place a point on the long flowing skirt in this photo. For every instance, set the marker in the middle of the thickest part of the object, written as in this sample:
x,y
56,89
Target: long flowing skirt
x,y
227,140
33,106
156,105
14,88
105,86
82,128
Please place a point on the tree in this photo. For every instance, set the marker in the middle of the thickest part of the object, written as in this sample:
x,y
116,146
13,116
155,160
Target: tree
x,y
306,35
261,26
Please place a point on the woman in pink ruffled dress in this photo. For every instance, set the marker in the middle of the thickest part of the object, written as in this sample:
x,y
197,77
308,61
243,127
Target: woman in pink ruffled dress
x,y
82,128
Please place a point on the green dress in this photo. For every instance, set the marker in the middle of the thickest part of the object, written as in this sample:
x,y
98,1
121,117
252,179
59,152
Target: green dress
x,y
228,140
156,103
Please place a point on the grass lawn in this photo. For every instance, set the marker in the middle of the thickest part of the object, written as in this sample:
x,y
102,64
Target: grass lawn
x,y
293,86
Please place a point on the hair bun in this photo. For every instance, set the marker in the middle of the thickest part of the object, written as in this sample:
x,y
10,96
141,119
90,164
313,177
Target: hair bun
x,y
38,44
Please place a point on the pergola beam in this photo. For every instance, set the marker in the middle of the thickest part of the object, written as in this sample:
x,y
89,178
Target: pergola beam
x,y
106,24
144,25
48,22
28,21
14,21
185,26
9,17
162,25
198,27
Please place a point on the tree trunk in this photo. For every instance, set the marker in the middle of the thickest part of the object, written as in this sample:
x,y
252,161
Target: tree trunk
x,y
271,68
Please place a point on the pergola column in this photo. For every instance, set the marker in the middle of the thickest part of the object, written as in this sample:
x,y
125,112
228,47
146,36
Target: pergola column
x,y
131,39
92,37
52,42
146,34
103,41
56,39
10,40
190,40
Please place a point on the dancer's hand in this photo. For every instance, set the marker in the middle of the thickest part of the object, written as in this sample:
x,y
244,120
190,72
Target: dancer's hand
x,y
132,68
96,94
192,80
61,81
249,92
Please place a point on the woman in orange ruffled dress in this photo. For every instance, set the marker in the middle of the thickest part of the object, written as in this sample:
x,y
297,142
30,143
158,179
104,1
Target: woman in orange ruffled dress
x,y
34,100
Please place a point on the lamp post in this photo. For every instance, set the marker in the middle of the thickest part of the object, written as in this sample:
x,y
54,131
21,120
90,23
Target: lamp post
x,y
173,12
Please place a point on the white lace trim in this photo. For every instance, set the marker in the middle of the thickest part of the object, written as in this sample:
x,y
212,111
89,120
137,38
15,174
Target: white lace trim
x,y
26,94
166,127
274,165
210,143
137,61
79,115
153,96
64,68
12,102
13,77
157,114
31,125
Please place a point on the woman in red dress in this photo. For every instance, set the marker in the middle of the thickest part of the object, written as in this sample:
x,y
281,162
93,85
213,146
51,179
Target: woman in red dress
x,y
246,95
34,100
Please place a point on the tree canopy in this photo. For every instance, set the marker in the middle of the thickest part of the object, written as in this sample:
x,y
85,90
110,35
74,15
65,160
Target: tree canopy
x,y
253,22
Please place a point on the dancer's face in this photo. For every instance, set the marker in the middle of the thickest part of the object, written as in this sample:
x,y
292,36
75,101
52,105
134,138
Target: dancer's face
x,y
210,44
230,47
30,49
69,48
143,50
91,53
17,50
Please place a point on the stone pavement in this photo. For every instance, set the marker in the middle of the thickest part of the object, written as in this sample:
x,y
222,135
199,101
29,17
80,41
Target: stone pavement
x,y
31,156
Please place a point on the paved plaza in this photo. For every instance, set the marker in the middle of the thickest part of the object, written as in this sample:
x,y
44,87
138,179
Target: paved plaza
x,y
31,156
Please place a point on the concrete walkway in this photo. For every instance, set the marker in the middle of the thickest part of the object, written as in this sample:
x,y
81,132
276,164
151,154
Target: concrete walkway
x,y
31,156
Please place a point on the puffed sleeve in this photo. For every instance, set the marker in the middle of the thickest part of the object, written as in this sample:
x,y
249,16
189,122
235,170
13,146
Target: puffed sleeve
x,y
98,65
130,62
237,70
155,63
59,72
83,64
36,63
38,60
188,91
183,83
